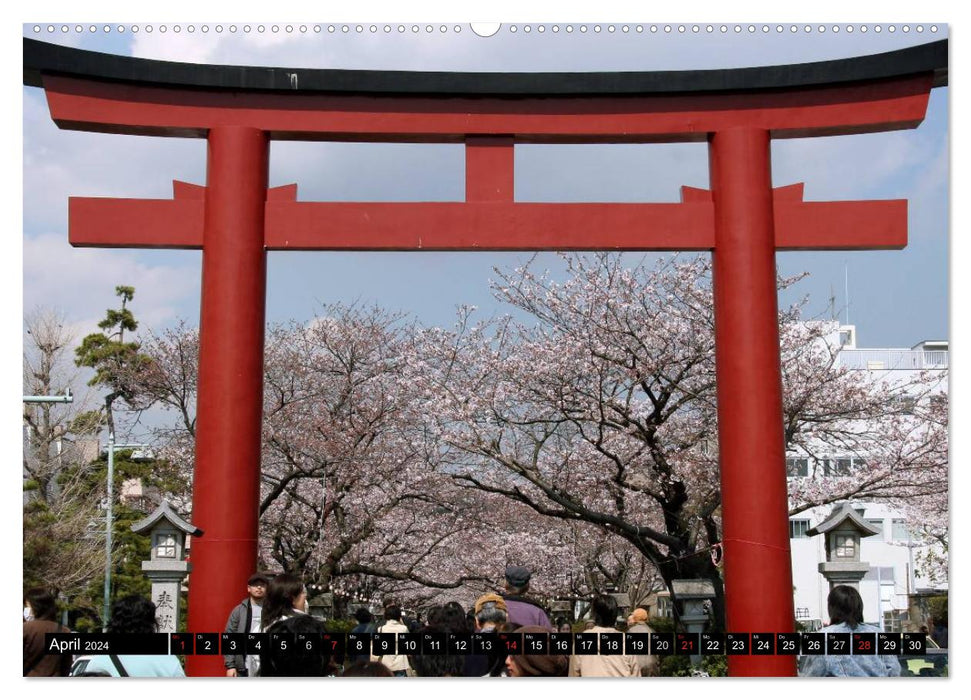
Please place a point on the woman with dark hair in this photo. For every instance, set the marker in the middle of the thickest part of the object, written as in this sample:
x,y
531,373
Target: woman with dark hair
x,y
296,660
846,617
437,665
40,618
134,614
603,608
455,619
286,596
365,625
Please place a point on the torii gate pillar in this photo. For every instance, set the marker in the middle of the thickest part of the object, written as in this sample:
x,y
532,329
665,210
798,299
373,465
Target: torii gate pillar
x,y
225,492
758,566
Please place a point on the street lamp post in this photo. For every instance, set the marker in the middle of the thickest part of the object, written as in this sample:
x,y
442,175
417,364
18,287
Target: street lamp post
x,y
66,397
109,521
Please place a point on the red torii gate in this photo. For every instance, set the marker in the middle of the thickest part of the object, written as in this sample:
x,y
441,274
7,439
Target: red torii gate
x,y
235,219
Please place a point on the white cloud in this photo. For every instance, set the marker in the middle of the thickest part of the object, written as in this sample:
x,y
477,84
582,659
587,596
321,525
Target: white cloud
x,y
81,282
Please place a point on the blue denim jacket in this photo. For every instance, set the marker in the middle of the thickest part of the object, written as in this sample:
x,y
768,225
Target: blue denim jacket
x,y
860,665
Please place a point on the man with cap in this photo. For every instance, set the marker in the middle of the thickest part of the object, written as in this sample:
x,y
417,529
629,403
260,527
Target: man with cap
x,y
490,618
522,610
245,618
637,624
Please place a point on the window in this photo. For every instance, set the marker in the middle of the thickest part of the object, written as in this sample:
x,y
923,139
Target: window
x,y
882,574
797,466
845,546
165,546
797,529
878,524
891,621
899,531
904,404
841,466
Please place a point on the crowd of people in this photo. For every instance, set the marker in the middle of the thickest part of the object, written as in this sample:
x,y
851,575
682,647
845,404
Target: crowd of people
x,y
278,604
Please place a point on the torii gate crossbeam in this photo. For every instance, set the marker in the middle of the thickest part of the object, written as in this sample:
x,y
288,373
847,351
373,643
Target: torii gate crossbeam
x,y
235,219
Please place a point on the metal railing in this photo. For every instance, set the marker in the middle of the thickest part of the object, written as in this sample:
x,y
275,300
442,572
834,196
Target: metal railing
x,y
877,359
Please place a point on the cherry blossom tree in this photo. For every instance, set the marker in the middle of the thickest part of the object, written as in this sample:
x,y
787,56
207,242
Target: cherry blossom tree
x,y
602,410
348,499
417,462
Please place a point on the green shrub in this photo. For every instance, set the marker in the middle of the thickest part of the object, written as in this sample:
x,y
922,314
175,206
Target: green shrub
x,y
674,666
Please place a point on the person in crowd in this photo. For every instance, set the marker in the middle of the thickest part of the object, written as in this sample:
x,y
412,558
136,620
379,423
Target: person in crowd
x,y
519,665
398,663
563,625
437,665
523,610
637,624
297,660
604,611
286,596
435,616
367,669
40,618
845,608
365,625
491,617
413,624
454,618
245,618
134,614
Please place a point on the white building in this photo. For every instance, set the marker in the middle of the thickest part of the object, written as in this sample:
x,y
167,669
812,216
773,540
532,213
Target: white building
x,y
892,553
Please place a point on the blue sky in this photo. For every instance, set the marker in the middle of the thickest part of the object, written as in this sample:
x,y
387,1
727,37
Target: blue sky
x,y
896,298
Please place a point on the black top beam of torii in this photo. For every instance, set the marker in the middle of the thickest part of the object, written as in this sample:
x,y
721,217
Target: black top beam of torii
x,y
43,58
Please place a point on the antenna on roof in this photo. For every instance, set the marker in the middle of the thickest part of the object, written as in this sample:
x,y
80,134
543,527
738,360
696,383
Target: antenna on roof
x,y
832,303
846,281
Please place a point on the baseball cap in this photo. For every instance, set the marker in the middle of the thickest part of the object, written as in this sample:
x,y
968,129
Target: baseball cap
x,y
517,576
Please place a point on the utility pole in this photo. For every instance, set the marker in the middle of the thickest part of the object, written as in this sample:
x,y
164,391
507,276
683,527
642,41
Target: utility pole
x,y
109,522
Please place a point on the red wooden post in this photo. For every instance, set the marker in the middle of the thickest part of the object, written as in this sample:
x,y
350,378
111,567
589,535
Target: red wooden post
x,y
758,569
230,398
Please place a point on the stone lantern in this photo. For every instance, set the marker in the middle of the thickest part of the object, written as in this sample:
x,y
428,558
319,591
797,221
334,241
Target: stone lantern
x,y
694,595
561,608
321,606
167,566
843,530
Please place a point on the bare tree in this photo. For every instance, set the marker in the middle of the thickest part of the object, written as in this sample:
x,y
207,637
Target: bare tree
x,y
62,542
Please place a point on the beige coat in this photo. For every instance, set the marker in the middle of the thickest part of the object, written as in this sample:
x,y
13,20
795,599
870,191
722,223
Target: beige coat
x,y
601,666
396,662
648,664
